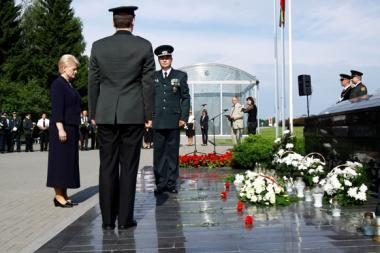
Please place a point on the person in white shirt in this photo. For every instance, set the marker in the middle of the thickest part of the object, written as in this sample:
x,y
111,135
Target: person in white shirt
x,y
43,126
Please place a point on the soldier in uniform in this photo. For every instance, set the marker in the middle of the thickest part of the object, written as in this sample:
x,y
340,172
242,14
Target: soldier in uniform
x,y
171,112
15,124
345,82
358,88
28,131
120,95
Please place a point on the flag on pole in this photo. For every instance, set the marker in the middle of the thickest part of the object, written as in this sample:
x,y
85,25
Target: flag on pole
x,y
282,13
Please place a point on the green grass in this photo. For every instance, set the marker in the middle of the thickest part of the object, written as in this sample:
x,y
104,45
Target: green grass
x,y
269,133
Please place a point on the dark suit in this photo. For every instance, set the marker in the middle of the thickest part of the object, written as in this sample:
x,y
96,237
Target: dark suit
x,y
204,128
28,131
172,104
3,127
15,124
345,94
63,158
120,91
358,91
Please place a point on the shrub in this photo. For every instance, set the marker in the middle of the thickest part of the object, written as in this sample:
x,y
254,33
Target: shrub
x,y
254,149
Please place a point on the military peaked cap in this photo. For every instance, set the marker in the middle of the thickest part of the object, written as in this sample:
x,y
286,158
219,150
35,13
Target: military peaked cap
x,y
356,73
163,50
126,10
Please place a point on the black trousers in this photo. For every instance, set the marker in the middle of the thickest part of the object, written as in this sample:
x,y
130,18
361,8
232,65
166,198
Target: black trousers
x,y
119,161
252,127
28,142
204,135
165,157
44,140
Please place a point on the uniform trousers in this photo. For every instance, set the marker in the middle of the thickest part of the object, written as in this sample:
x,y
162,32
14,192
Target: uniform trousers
x,y
119,149
165,157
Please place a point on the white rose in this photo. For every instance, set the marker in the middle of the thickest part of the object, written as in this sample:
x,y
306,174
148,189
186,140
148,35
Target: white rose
x,y
363,188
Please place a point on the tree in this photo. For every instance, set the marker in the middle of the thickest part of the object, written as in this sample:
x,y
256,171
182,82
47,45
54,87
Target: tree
x,y
9,29
49,30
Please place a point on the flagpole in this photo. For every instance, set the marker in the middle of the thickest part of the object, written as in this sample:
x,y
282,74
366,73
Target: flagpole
x,y
276,90
290,50
283,80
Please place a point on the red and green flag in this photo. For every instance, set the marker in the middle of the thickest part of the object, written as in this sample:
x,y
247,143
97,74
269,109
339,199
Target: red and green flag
x,y
282,13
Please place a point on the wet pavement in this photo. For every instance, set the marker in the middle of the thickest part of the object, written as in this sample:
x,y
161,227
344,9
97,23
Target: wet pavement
x,y
198,220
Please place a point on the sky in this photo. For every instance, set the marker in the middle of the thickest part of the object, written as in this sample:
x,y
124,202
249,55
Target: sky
x,y
329,37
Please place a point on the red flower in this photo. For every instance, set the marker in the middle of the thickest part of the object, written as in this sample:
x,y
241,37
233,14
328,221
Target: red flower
x,y
239,206
248,220
227,185
223,195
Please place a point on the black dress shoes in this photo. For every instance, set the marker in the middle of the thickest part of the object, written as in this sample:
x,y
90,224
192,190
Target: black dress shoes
x,y
128,225
71,202
59,204
108,226
172,190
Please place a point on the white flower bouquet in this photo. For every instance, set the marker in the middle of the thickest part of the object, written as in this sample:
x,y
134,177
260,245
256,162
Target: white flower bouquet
x,y
260,189
346,184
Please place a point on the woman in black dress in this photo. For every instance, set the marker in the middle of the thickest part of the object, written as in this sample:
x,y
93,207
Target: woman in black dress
x,y
251,109
190,130
63,160
204,127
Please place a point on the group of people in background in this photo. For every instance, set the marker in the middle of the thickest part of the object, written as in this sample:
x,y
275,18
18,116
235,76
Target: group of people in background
x,y
14,131
352,86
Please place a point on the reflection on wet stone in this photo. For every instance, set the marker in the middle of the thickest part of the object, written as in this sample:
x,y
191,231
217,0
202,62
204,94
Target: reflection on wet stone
x,y
198,220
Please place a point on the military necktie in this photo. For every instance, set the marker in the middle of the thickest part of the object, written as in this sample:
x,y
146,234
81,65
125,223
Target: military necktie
x,y
165,74
43,123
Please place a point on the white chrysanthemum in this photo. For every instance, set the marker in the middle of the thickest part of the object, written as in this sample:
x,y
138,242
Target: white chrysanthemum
x,y
315,179
289,146
363,188
277,141
347,183
319,169
352,192
361,196
253,198
281,152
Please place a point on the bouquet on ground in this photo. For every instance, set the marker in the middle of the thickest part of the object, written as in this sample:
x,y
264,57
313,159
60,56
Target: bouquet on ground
x,y
260,189
312,169
346,184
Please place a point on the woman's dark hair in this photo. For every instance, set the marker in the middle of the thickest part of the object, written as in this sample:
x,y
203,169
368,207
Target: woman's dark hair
x,y
251,99
205,111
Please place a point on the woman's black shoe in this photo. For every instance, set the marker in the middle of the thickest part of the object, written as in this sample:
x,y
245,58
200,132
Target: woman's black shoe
x,y
66,205
71,202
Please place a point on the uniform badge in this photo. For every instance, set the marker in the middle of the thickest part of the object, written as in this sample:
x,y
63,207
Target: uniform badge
x,y
363,89
175,84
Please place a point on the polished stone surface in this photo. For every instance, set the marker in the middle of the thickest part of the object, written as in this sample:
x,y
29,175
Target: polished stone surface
x,y
198,220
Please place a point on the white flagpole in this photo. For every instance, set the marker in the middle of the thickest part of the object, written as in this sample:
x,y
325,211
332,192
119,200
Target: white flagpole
x,y
290,50
276,90
283,80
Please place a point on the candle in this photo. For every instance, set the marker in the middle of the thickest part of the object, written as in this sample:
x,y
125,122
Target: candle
x,y
223,195
227,185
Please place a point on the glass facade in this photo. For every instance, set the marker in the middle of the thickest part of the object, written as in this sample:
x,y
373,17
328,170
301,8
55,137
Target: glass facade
x,y
215,85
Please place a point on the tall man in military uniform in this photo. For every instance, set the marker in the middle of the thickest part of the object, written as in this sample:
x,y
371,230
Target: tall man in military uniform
x,y
345,82
171,112
120,94
358,88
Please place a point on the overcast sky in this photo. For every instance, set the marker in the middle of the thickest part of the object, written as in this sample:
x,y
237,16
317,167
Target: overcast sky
x,y
329,37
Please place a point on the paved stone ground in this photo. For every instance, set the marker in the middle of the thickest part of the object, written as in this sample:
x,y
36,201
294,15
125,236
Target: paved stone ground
x,y
28,218
196,220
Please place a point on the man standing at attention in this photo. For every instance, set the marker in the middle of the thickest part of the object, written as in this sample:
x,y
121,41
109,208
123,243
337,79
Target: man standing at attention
x,y
358,89
236,119
345,82
171,112
120,94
